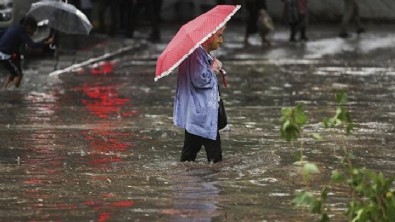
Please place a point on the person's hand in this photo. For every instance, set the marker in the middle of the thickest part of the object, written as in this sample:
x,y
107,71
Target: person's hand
x,y
49,40
216,66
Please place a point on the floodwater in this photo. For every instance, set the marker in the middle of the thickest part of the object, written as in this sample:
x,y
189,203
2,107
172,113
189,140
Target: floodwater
x,y
98,144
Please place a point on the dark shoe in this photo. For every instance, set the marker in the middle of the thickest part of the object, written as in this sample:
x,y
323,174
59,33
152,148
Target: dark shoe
x,y
344,35
361,30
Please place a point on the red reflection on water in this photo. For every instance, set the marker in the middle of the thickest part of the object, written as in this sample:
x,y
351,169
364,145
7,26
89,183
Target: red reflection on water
x,y
102,138
105,207
33,181
104,216
103,100
102,68
122,203
106,145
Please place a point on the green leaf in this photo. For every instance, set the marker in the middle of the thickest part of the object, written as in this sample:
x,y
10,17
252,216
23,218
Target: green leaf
x,y
300,117
342,116
337,176
326,122
305,199
292,120
316,207
324,193
341,98
324,218
310,168
358,216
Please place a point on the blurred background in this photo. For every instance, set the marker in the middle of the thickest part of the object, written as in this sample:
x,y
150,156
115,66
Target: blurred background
x,y
11,11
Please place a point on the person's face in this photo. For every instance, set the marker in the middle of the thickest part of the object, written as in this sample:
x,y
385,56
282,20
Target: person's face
x,y
216,40
30,30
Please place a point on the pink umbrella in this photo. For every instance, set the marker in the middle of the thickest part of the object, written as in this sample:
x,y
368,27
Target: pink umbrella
x,y
190,36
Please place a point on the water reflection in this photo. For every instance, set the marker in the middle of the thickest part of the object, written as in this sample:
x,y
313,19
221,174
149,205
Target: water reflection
x,y
104,102
103,148
195,194
106,144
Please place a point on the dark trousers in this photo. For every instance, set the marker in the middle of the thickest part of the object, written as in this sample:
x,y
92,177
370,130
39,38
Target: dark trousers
x,y
153,10
13,66
193,144
253,7
351,12
113,7
298,26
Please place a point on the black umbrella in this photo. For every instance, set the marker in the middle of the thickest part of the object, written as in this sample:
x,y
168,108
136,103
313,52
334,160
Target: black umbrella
x,y
61,16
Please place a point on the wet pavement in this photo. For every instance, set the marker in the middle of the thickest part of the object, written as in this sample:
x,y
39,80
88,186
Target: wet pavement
x,y
89,135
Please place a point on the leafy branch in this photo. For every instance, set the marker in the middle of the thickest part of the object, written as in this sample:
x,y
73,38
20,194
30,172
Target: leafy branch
x,y
372,198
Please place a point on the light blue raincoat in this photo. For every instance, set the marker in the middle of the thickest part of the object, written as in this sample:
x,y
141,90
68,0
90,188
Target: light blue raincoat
x,y
196,100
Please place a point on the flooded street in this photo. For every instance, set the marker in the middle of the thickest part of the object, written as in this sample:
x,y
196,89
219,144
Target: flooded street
x,y
98,143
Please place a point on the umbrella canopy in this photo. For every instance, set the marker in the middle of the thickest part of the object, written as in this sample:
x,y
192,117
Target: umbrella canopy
x,y
61,16
190,36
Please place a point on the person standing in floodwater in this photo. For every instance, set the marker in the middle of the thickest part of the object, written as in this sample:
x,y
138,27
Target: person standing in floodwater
x,y
111,7
252,7
351,12
296,15
196,101
153,10
10,44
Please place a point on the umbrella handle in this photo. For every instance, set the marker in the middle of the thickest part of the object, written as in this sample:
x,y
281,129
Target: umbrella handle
x,y
223,73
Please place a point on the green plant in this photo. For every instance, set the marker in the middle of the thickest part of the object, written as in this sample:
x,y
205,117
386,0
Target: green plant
x,y
292,120
342,116
313,203
371,196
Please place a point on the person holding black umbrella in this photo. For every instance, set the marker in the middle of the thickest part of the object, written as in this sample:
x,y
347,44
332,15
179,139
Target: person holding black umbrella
x,y
10,43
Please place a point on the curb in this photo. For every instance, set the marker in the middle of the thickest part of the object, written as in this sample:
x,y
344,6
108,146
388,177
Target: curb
x,y
96,59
